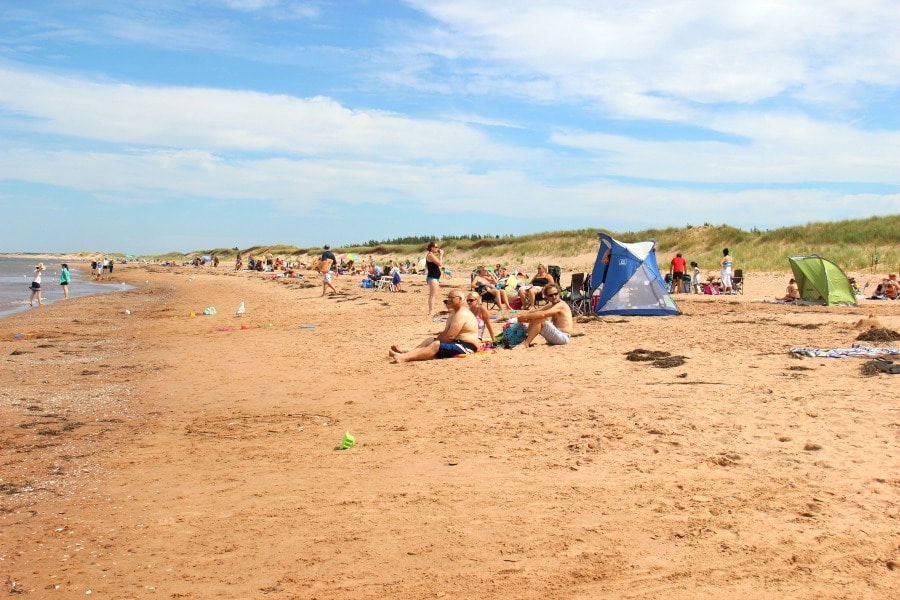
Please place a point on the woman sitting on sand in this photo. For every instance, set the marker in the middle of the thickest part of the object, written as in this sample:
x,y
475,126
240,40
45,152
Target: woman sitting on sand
x,y
793,292
483,318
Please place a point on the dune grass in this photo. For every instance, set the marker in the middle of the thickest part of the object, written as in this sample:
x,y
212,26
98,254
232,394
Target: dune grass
x,y
855,245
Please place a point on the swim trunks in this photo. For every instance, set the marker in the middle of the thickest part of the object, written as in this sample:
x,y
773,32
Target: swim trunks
x,y
455,348
553,335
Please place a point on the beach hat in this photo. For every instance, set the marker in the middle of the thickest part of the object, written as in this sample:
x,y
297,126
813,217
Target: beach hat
x,y
40,266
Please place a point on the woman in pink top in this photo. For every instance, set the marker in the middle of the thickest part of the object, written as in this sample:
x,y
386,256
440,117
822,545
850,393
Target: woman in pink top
x,y
482,317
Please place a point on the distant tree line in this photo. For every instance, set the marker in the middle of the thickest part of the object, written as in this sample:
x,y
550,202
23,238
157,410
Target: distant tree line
x,y
419,239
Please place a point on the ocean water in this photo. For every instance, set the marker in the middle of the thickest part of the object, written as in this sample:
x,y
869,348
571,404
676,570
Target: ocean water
x,y
15,282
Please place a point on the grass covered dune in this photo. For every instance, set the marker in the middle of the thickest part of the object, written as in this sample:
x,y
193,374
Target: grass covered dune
x,y
855,245
861,245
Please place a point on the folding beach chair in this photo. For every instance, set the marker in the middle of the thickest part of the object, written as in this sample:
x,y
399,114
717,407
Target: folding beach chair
x,y
578,300
556,272
737,281
489,301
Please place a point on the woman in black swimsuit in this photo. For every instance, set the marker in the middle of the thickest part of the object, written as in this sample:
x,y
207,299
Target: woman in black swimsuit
x,y
433,266
528,293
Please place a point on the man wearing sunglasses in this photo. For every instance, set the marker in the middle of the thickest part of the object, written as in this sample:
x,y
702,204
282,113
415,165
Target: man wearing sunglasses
x,y
553,322
460,336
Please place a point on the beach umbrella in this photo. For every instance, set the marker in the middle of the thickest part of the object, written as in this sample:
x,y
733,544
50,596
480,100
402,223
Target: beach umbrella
x,y
350,256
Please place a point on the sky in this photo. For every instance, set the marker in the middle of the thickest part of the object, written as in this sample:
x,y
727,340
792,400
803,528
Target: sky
x,y
145,127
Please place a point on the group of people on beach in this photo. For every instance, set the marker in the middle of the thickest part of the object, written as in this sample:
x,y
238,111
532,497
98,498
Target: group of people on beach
x,y
35,287
678,276
468,320
887,289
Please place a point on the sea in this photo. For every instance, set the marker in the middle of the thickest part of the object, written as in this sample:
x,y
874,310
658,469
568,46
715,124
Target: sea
x,y
15,281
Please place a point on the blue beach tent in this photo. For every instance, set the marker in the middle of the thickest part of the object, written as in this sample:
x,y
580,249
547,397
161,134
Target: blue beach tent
x,y
631,282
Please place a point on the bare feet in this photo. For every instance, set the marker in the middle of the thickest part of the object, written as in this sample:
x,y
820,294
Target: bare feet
x,y
398,349
397,357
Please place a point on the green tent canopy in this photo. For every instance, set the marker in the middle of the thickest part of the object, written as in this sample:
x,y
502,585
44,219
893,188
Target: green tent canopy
x,y
821,281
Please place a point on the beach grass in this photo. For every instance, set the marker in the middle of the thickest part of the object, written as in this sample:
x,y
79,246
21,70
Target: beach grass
x,y
860,244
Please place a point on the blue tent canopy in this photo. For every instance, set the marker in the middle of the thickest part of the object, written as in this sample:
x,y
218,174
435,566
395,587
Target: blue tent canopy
x,y
631,283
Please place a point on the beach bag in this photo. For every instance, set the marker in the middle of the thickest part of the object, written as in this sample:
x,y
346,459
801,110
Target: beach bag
x,y
514,334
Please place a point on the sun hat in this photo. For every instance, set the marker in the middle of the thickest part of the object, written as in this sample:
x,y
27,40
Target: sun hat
x,y
40,266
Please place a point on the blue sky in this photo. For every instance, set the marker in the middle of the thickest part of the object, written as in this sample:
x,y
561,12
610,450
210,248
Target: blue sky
x,y
147,127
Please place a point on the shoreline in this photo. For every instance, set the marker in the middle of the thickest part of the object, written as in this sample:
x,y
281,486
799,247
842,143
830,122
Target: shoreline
x,y
159,453
51,289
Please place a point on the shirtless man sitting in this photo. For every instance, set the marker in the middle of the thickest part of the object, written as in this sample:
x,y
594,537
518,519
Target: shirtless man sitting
x,y
553,322
460,336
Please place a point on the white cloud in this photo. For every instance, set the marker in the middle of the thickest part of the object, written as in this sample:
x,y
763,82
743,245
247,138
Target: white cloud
x,y
700,51
235,121
773,149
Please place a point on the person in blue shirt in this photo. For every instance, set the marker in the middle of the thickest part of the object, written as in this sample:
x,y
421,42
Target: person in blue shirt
x,y
64,280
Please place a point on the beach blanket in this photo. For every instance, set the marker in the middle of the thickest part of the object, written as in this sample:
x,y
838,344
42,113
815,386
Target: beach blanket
x,y
794,302
856,351
482,352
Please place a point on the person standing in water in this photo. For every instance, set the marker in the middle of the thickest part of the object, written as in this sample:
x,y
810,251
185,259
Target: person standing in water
x,y
36,286
434,266
64,280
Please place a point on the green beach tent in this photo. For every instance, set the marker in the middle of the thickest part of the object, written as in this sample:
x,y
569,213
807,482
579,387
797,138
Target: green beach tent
x,y
821,281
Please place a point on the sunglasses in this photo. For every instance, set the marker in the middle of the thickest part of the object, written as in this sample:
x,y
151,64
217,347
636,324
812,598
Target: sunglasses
x,y
551,295
471,299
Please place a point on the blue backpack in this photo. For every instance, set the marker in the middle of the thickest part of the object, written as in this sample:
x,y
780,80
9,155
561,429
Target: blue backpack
x,y
514,334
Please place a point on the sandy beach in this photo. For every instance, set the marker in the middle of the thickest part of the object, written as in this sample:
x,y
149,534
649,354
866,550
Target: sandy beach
x,y
154,454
